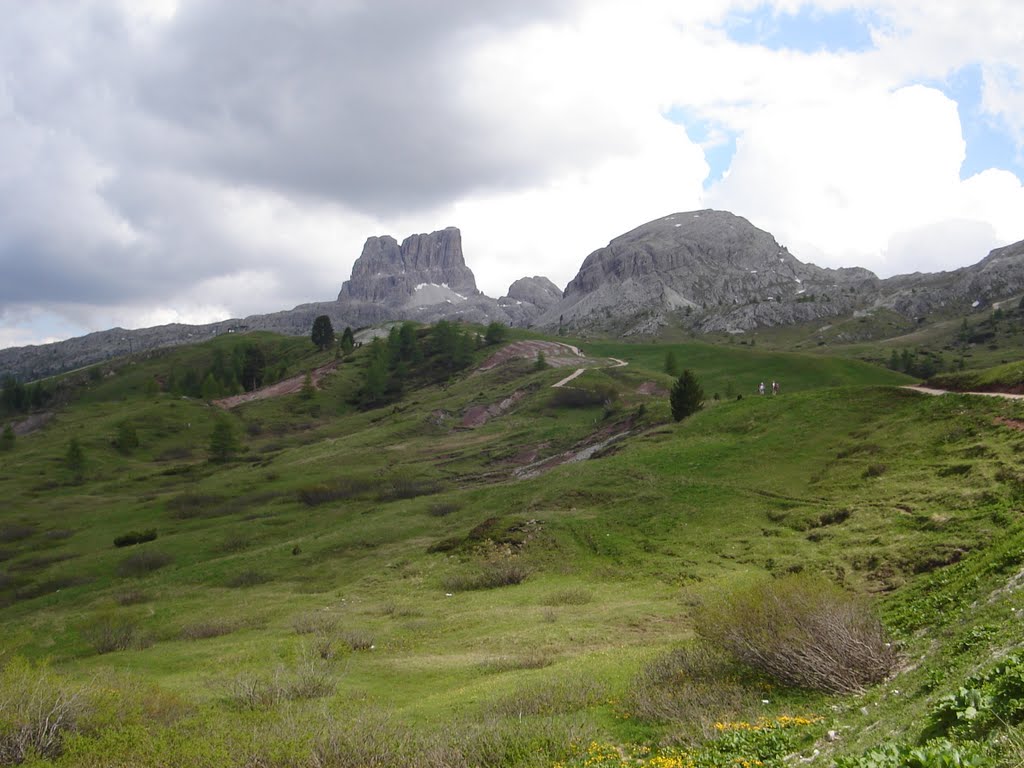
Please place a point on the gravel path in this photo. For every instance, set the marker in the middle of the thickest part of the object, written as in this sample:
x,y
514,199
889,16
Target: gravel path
x,y
931,391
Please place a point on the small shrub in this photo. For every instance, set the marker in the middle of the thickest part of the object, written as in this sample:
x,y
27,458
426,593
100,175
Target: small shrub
x,y
131,597
37,709
310,623
189,505
135,537
204,630
570,596
443,508
339,490
109,632
247,578
357,640
694,686
409,488
802,631
875,470
501,573
144,562
553,697
577,397
15,532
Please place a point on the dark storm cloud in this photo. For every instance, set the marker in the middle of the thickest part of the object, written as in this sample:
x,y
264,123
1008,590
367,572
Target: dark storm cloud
x,y
356,102
120,137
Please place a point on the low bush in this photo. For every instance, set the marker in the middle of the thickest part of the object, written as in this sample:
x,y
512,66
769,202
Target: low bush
x,y
109,632
131,597
307,679
15,532
135,537
37,710
443,508
553,697
409,488
802,631
189,505
575,397
311,623
379,742
340,490
143,563
203,630
247,578
502,573
694,686
570,596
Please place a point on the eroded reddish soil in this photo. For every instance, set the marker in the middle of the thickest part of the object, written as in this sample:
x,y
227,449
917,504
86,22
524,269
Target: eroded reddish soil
x,y
285,387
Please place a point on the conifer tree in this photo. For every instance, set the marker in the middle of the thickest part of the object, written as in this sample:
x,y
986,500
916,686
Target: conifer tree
x,y
223,443
323,332
687,396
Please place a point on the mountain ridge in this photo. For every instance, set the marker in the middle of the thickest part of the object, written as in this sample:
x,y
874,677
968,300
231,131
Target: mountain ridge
x,y
706,271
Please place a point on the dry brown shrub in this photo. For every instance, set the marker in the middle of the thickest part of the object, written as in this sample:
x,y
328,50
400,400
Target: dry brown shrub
x,y
803,631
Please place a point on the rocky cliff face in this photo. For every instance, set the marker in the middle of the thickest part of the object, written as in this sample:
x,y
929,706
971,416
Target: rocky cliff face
x,y
709,271
424,279
389,273
712,267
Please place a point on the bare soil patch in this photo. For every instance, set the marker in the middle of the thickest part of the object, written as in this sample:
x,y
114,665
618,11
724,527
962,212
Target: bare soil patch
x,y
286,387
32,423
558,355
651,388
479,415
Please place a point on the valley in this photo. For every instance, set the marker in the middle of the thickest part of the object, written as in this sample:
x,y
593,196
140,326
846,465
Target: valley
x,y
360,583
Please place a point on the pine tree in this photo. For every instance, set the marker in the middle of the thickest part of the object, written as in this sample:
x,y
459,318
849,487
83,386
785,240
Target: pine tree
x,y
323,332
7,438
495,334
671,363
542,361
74,458
687,396
348,340
308,391
127,439
223,443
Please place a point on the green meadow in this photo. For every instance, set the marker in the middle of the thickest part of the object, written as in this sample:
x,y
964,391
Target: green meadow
x,y
386,585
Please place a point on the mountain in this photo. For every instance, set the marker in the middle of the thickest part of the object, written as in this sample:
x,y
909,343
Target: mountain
x,y
708,271
713,271
424,279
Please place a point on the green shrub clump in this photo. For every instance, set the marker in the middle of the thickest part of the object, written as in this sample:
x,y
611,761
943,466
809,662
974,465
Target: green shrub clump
x,y
135,537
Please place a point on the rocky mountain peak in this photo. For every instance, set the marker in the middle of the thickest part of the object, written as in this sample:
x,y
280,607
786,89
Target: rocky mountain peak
x,y
539,291
389,273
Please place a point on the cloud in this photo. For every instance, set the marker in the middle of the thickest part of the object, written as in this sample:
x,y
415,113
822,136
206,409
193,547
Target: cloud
x,y
196,158
836,180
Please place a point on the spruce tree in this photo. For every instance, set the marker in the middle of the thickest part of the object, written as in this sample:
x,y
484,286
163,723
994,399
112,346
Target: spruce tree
x,y
323,332
223,443
7,438
348,340
687,396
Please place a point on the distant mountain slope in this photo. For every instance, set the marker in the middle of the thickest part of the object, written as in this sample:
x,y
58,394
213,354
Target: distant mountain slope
x,y
708,271
714,271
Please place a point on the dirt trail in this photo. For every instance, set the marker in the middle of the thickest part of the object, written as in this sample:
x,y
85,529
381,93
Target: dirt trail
x,y
285,387
932,391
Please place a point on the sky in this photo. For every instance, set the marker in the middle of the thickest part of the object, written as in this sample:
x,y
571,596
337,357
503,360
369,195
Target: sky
x,y
193,160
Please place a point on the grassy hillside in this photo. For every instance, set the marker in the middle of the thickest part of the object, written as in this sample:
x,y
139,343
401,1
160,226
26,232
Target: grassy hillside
x,y
387,586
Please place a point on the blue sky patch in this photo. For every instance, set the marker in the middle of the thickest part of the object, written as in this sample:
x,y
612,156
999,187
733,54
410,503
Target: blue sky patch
x,y
810,30
989,144
719,145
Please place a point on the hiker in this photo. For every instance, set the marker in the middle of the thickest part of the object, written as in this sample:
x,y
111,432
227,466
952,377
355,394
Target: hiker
x,y
760,388
775,387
